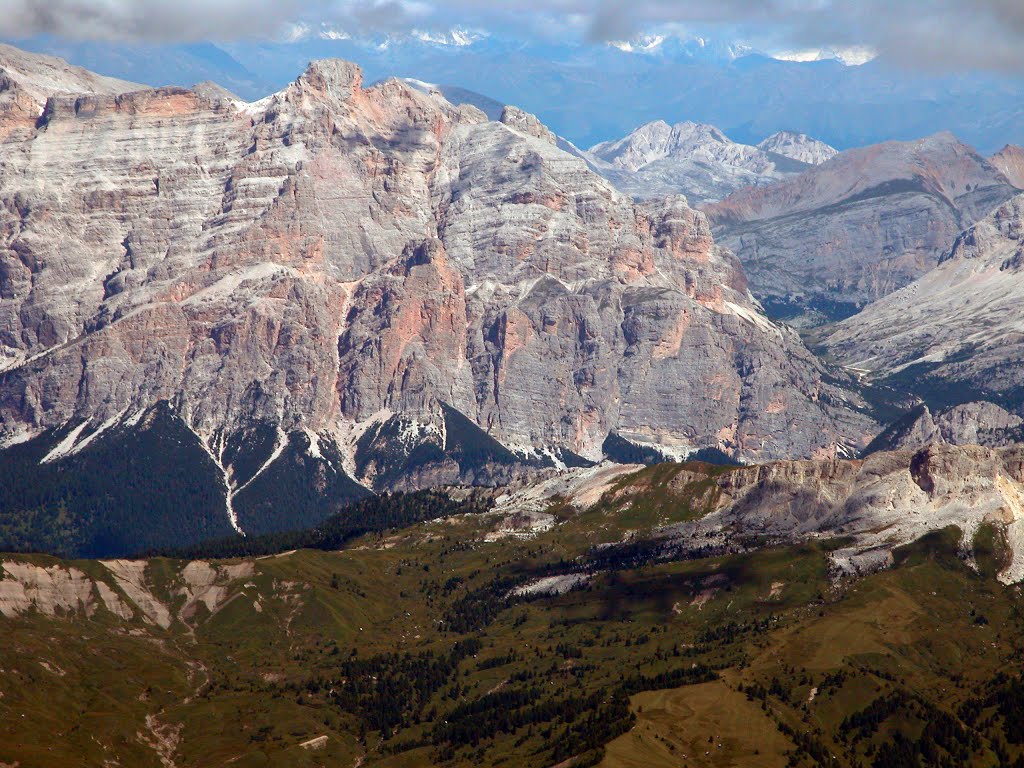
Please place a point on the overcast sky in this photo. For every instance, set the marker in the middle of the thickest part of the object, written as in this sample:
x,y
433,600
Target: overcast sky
x,y
930,34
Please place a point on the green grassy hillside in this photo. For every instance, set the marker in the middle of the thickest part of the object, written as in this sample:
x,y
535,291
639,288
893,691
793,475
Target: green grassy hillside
x,y
414,647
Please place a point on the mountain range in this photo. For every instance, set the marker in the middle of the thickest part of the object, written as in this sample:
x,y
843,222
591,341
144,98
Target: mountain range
x,y
859,226
595,93
353,286
699,161
691,159
340,290
381,425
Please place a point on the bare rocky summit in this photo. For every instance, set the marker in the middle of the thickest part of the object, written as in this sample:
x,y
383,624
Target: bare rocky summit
x,y
798,146
1010,161
977,423
692,159
859,226
382,282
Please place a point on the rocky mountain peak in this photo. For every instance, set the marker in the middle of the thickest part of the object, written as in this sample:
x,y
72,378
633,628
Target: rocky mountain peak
x,y
524,122
798,146
1010,160
658,140
342,282
335,76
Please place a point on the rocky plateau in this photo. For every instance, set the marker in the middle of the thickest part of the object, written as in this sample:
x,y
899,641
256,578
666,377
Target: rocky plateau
x,y
882,502
874,505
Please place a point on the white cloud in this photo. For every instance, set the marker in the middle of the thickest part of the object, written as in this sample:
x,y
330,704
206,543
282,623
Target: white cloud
x,y
295,33
327,32
642,44
923,33
181,20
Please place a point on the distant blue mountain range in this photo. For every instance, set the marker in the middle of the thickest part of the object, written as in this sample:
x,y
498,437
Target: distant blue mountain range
x,y
591,93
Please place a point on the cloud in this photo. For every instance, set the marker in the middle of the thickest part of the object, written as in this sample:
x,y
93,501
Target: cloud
x,y
155,20
983,34
934,34
197,20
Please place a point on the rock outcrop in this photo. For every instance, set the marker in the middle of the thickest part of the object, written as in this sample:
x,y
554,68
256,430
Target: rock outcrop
x,y
49,590
885,501
126,589
978,423
1010,161
859,226
527,124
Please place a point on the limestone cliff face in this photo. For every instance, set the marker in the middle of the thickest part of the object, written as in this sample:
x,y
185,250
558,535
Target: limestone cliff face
x,y
880,503
335,258
28,80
